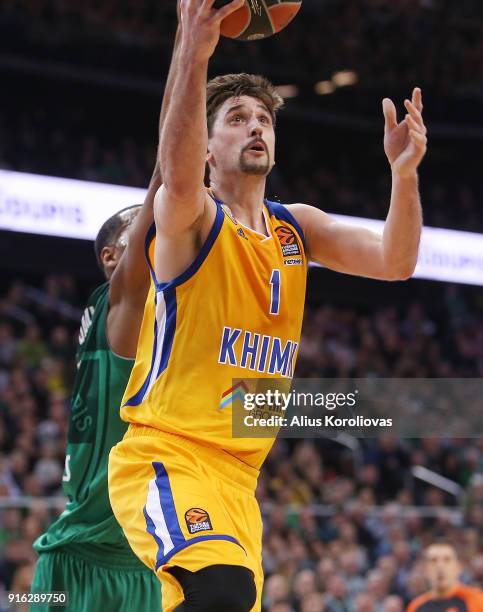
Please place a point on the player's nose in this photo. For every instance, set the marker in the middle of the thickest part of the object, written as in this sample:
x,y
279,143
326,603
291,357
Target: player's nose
x,y
256,128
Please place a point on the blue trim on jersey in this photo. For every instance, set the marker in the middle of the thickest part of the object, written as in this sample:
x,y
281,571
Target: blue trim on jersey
x,y
151,233
169,330
138,397
281,212
166,558
170,515
151,529
168,510
167,504
202,255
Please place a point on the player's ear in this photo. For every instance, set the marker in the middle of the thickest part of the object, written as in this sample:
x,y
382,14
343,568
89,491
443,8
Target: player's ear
x,y
209,156
108,256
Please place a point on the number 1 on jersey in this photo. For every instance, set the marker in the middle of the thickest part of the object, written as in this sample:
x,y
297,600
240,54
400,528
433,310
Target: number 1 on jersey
x,y
275,297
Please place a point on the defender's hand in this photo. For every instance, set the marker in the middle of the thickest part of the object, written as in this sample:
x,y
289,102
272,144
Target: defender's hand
x,y
200,26
405,142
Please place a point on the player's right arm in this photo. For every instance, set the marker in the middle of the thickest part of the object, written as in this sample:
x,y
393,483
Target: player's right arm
x,y
181,202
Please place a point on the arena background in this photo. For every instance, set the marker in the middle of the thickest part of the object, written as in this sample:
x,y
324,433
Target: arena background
x,y
81,89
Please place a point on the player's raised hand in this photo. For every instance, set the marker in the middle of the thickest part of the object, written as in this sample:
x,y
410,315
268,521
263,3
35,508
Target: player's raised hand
x,y
405,142
201,26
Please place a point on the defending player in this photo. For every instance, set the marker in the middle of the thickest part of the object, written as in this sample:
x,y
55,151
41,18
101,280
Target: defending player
x,y
443,570
85,552
229,275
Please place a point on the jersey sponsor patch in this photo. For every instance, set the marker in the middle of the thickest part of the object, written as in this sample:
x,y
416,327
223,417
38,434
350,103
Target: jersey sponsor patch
x,y
293,261
197,520
288,241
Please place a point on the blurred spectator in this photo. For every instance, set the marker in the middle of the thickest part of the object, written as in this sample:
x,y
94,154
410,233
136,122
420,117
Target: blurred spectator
x,y
281,607
313,602
392,603
21,583
364,603
276,590
336,599
443,571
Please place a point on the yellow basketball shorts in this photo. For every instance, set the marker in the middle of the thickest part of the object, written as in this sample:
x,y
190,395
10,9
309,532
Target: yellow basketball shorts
x,y
185,504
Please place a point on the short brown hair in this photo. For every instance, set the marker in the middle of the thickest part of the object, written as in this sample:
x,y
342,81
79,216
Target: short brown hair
x,y
441,542
221,88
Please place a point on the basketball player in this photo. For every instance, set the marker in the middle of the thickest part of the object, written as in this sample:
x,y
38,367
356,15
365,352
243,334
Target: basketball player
x,y
85,552
228,285
447,593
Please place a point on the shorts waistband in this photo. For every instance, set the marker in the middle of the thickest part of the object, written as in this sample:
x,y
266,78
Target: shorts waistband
x,y
226,466
102,556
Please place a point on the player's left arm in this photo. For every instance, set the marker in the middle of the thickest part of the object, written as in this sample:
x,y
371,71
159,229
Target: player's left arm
x,y
362,252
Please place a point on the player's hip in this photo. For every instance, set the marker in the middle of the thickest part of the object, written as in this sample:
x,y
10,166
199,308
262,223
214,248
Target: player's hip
x,y
169,494
142,445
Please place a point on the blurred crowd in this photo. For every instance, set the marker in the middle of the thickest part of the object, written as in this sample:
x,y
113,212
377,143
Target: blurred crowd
x,y
360,556
391,41
344,525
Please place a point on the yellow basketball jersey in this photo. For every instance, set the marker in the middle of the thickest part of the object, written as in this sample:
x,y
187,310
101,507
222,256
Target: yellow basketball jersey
x,y
235,313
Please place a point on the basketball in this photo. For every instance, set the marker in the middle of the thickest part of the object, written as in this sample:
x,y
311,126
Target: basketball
x,y
258,18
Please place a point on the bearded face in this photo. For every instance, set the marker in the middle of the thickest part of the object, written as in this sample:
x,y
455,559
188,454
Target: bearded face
x,y
243,138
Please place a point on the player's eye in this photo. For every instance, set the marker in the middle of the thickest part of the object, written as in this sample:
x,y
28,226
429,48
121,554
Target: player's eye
x,y
236,119
265,120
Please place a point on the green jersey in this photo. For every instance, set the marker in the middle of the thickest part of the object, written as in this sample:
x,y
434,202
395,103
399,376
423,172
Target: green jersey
x,y
94,428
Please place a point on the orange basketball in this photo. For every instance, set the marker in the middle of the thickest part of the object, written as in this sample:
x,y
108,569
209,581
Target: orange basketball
x,y
258,18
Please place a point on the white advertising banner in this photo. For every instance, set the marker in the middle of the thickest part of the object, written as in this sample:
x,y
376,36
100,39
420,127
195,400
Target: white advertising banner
x,y
444,255
60,207
76,209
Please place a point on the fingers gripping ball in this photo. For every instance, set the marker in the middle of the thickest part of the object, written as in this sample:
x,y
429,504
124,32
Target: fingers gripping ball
x,y
258,18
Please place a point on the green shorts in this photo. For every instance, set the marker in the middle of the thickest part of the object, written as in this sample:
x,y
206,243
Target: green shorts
x,y
94,586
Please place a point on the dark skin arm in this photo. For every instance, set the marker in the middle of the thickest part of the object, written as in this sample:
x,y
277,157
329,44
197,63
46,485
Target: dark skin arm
x,y
129,282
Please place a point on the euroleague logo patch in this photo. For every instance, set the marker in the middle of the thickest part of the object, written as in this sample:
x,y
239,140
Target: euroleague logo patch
x,y
197,520
288,241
